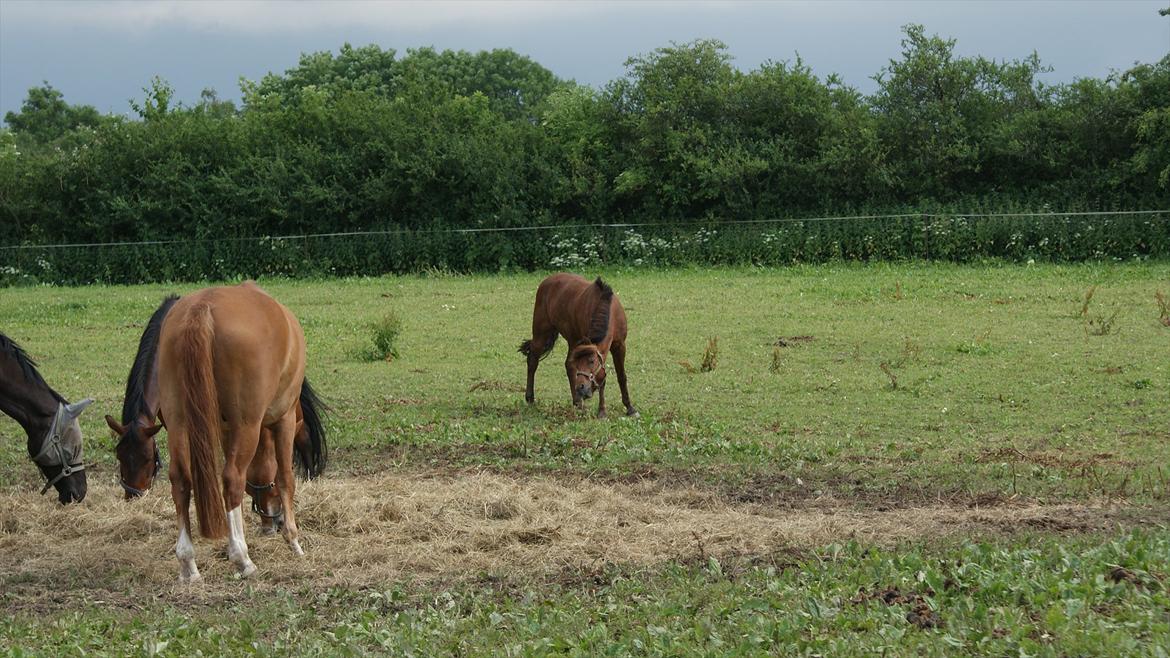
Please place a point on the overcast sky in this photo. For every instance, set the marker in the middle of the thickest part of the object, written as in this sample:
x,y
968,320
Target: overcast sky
x,y
103,53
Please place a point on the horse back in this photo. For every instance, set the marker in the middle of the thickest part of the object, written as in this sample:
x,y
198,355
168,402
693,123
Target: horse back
x,y
257,345
568,301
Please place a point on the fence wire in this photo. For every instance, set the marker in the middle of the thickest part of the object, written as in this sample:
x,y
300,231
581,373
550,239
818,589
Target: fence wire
x,y
1164,214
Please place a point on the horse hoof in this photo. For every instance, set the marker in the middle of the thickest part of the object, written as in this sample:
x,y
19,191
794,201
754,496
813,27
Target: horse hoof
x,y
247,570
633,413
601,414
296,548
185,579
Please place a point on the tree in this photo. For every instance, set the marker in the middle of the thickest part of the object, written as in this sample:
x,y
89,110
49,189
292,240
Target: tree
x,y
45,116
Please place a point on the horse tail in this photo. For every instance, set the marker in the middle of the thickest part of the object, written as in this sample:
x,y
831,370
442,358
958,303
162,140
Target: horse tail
x,y
201,409
526,348
313,453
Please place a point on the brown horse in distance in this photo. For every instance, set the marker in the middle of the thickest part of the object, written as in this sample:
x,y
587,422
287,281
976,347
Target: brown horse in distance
x,y
137,450
231,362
49,421
592,320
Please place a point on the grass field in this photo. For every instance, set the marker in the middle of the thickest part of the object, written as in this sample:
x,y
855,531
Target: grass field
x,y
910,459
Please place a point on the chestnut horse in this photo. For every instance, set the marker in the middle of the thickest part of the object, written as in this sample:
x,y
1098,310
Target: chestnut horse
x,y
49,421
137,451
231,361
593,322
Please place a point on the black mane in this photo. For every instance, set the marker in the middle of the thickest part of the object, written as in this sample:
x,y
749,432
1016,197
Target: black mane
x,y
599,327
134,404
27,365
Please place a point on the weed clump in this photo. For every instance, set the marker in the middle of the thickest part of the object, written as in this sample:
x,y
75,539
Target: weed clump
x,y
710,358
385,332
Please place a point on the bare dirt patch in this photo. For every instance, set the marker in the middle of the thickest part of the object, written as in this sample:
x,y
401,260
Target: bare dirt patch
x,y
424,527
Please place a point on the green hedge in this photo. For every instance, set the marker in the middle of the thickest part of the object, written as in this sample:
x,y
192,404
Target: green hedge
x,y
949,237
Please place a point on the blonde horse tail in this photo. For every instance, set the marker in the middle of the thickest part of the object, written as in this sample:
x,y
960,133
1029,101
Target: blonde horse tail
x,y
201,408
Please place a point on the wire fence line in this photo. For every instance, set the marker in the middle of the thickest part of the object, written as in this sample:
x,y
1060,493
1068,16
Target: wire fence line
x,y
1163,214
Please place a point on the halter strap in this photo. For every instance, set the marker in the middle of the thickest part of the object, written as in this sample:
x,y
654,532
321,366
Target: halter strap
x,y
52,444
256,489
600,366
133,491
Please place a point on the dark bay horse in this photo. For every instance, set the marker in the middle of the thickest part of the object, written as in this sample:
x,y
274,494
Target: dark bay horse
x,y
137,450
231,361
593,322
54,436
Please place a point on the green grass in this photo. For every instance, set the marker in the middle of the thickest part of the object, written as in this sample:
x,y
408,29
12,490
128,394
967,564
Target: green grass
x,y
919,381
890,384
1070,597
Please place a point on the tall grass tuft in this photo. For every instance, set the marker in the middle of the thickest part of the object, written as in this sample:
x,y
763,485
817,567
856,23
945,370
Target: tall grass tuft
x,y
384,333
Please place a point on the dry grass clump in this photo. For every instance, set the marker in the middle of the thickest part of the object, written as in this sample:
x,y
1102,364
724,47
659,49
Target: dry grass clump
x,y
374,529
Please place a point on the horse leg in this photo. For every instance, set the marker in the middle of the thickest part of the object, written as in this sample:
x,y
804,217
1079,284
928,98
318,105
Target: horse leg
x,y
181,495
262,481
283,434
601,400
619,365
239,448
570,371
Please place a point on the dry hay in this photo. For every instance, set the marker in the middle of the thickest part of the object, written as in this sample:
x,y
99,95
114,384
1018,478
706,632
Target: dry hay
x,y
419,527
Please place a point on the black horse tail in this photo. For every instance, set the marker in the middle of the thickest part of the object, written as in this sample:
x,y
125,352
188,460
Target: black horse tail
x,y
309,447
526,348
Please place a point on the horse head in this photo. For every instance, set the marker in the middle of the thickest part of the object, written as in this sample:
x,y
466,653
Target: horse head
x,y
138,457
588,365
60,454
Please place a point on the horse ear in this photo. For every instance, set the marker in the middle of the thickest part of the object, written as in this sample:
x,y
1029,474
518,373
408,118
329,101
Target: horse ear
x,y
151,431
74,410
117,428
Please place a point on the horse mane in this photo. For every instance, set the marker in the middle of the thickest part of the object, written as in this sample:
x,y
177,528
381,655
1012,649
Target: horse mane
x,y
599,326
27,366
312,459
134,404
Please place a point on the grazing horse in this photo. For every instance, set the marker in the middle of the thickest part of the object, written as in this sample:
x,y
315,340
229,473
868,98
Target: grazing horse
x,y
137,451
231,361
593,322
54,436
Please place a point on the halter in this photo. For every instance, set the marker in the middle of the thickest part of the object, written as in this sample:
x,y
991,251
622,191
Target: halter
x,y
592,376
52,449
256,489
142,492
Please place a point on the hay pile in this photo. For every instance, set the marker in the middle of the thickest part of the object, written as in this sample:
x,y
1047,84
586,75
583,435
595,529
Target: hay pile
x,y
418,527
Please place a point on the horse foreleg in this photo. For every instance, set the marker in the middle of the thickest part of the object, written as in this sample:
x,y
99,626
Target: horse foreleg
x,y
569,372
240,447
181,495
283,434
618,350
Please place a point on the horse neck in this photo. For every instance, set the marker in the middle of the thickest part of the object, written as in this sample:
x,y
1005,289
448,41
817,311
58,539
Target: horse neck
x,y
31,404
149,400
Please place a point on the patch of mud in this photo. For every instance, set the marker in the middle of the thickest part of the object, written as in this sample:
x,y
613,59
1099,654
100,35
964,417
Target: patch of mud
x,y
437,526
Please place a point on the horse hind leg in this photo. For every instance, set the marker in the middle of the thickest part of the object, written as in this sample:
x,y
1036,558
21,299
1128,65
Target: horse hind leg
x,y
240,447
619,365
283,434
180,477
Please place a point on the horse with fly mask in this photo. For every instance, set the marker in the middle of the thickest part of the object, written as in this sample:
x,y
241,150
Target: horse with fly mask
x,y
54,435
